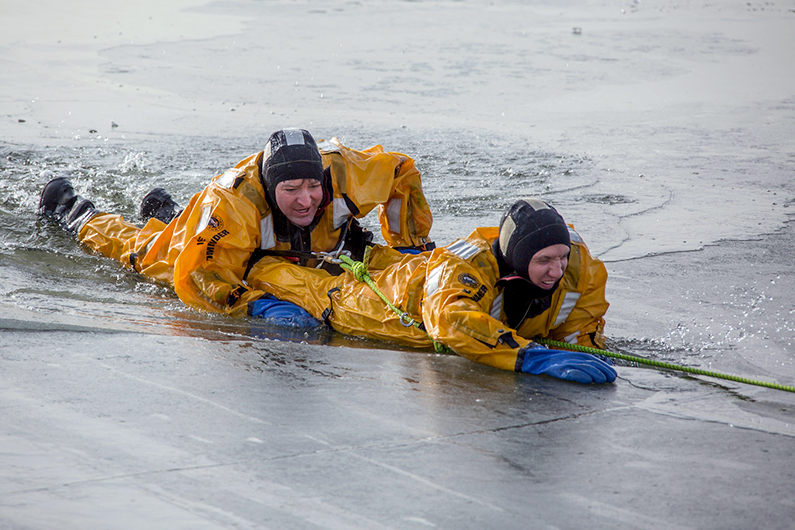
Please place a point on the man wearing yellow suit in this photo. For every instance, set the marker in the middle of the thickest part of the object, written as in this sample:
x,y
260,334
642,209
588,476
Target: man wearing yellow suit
x,y
289,199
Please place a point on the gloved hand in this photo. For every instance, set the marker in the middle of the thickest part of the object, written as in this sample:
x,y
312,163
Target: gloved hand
x,y
427,247
568,365
281,312
408,250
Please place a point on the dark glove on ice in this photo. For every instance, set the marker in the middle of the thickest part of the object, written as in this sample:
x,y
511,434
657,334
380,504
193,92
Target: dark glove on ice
x,y
568,365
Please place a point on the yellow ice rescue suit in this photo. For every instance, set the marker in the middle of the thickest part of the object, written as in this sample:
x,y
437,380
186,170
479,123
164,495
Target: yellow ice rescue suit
x,y
454,291
206,251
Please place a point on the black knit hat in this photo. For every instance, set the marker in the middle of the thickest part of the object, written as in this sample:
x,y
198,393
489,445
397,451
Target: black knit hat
x,y
528,226
290,154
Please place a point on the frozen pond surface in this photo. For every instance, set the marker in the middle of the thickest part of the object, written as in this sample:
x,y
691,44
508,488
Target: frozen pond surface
x,y
664,131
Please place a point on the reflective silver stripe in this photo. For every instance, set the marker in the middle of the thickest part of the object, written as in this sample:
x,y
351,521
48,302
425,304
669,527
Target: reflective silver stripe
x,y
572,339
266,234
393,214
496,307
294,136
574,236
341,212
228,178
432,281
463,250
569,301
328,147
205,218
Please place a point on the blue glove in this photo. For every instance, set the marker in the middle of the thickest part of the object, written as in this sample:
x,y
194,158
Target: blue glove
x,y
430,245
281,312
568,365
408,250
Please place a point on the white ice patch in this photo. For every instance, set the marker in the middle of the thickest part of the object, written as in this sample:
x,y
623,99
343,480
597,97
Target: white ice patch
x,y
687,218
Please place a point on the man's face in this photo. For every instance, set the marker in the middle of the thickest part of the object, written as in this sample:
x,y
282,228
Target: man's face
x,y
548,265
299,199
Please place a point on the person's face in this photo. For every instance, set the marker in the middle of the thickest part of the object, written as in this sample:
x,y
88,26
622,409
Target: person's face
x,y
548,265
299,199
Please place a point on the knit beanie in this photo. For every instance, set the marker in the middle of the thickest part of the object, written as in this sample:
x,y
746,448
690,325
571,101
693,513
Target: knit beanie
x,y
528,226
290,154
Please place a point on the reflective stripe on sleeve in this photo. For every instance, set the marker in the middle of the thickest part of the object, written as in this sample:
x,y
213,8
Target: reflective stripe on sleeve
x,y
228,178
569,301
341,213
463,250
432,281
496,307
571,339
266,233
328,147
393,214
574,236
205,218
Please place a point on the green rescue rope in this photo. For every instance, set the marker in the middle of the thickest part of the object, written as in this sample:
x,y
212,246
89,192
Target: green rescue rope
x,y
359,269
661,364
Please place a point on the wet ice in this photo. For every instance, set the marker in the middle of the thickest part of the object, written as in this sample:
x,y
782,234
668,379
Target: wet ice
x,y
663,133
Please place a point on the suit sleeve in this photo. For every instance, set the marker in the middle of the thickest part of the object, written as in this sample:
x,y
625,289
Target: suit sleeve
x,y
387,180
456,312
208,273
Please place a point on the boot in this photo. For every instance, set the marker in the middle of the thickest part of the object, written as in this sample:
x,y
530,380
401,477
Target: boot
x,y
159,204
60,203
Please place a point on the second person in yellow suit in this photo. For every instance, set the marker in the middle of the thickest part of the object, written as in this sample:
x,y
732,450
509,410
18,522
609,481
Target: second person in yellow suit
x,y
485,296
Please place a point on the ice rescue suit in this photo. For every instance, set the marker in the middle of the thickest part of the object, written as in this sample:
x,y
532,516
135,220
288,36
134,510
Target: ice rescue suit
x,y
454,292
205,252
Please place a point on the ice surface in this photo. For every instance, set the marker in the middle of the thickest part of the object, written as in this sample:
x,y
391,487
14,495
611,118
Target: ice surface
x,y
662,130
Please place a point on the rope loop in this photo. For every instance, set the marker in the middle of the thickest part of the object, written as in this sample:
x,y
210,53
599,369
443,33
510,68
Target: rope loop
x,y
359,271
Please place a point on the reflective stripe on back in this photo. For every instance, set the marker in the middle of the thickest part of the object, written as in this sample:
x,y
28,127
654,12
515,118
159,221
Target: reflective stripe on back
x,y
496,307
574,236
462,249
569,301
328,147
